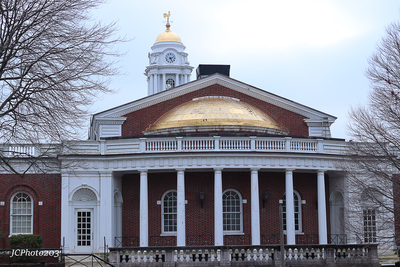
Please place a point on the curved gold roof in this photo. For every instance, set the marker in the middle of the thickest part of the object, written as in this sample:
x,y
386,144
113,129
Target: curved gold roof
x,y
214,111
168,36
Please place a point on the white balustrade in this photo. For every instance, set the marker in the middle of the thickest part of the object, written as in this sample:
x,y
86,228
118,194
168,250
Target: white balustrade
x,y
179,144
300,255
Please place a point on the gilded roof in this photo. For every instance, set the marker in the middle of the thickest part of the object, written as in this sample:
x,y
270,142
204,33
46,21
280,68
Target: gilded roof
x,y
214,111
168,36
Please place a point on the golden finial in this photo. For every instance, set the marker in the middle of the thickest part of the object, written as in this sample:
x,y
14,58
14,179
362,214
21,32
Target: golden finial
x,y
167,15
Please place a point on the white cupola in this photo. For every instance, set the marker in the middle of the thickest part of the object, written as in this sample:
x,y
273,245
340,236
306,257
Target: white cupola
x,y
168,62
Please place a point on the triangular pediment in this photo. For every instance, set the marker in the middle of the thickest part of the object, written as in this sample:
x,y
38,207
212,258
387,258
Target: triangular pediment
x,y
225,81
118,113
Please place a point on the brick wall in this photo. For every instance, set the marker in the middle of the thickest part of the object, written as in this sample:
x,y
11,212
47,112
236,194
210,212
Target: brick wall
x,y
46,218
138,121
200,221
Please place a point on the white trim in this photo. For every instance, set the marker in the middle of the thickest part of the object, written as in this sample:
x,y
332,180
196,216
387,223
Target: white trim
x,y
11,213
227,232
208,81
162,212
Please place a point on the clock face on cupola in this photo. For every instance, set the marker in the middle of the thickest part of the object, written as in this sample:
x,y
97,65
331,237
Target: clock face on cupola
x,y
170,58
168,63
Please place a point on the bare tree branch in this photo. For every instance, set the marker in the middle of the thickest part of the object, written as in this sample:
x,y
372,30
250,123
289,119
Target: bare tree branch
x,y
53,63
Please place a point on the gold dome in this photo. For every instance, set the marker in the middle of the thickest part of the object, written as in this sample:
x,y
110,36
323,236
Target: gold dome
x,y
168,36
215,113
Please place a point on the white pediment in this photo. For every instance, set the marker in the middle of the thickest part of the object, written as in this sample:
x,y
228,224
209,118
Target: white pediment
x,y
120,111
211,80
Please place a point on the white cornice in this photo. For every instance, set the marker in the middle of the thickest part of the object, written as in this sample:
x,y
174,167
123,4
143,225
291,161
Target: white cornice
x,y
208,81
264,161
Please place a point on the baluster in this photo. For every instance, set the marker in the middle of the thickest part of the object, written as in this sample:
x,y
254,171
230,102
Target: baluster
x,y
141,254
213,256
176,257
289,254
123,255
190,256
182,255
265,255
250,255
296,254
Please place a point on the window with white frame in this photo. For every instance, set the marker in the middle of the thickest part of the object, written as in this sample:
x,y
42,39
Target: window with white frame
x,y
297,211
21,214
169,212
369,228
371,199
232,211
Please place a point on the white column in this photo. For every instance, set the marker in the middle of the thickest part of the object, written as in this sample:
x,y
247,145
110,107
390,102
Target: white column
x,y
188,78
106,211
177,79
181,226
218,224
290,226
144,210
322,228
164,79
67,225
255,209
151,84
155,83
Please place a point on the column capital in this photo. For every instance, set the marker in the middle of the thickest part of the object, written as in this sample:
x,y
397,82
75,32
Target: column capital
x,y
143,170
254,169
290,170
323,171
180,169
218,169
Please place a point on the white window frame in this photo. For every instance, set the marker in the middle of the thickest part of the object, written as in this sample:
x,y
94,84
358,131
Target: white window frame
x,y
298,227
14,216
370,230
240,231
163,213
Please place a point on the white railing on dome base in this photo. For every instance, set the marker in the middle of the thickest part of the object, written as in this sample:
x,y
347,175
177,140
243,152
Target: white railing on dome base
x,y
178,144
252,143
296,255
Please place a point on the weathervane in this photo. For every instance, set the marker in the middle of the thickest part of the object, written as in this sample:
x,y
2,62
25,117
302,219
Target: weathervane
x,y
167,15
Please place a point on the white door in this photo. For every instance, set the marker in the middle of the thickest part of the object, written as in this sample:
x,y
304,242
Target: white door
x,y
84,230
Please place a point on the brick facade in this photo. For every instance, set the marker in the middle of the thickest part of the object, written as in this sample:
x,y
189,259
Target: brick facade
x,y
200,221
138,121
47,217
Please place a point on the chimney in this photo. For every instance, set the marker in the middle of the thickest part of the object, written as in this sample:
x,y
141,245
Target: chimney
x,y
204,70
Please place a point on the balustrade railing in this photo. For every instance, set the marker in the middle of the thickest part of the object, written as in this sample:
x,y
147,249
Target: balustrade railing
x,y
178,144
345,255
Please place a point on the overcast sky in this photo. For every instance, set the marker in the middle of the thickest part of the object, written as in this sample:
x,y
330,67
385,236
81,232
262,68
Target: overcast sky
x,y
314,52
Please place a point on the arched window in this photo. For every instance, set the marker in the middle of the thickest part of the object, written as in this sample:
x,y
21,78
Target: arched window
x,y
297,211
232,211
21,214
169,212
170,83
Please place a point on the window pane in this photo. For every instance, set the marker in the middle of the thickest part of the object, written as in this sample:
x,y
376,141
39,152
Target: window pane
x,y
170,212
231,206
297,211
21,214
